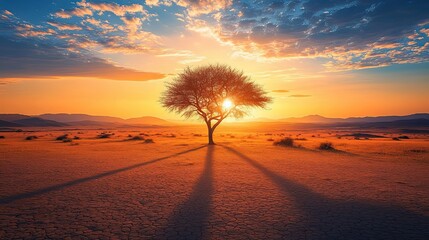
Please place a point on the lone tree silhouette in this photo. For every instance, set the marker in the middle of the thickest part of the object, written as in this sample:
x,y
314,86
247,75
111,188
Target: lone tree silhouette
x,y
213,92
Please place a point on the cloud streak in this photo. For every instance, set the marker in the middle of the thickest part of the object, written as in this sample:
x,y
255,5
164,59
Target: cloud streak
x,y
24,59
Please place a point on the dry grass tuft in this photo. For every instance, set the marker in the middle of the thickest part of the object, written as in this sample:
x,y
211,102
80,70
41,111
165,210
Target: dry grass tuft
x,y
29,138
326,146
285,142
62,137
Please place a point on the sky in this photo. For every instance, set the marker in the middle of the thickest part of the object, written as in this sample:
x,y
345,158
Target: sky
x,y
336,58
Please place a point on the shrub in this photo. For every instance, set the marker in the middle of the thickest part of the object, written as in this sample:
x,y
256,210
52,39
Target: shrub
x,y
285,142
2,137
395,139
403,137
104,135
76,137
326,146
136,138
149,140
67,140
270,140
31,137
62,137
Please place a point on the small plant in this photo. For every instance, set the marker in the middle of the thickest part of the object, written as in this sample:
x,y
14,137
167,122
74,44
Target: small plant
x,y
149,140
270,140
76,137
326,146
62,137
29,138
2,137
104,135
285,142
396,139
67,140
404,137
136,138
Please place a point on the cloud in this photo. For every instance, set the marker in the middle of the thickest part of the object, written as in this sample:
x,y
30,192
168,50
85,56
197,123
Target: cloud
x,y
79,12
63,26
152,2
198,7
28,30
280,91
26,59
299,95
118,10
340,30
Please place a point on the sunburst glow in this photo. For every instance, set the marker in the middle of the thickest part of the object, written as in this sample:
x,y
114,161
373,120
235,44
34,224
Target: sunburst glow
x,y
227,104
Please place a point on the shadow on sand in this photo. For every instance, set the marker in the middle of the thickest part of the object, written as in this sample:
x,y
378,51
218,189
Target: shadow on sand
x,y
190,219
61,186
326,218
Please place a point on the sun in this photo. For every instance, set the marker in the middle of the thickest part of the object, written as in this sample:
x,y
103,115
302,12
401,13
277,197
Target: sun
x,y
227,104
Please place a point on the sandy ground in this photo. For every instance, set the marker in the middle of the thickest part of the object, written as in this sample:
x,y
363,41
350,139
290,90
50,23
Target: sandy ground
x,y
242,188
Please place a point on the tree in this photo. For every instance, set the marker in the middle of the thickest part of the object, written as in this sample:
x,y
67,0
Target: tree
x,y
213,92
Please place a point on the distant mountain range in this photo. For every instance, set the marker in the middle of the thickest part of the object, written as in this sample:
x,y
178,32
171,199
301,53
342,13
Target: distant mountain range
x,y
321,119
64,119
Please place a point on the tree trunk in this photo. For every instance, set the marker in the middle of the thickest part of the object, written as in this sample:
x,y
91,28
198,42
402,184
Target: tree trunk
x,y
211,142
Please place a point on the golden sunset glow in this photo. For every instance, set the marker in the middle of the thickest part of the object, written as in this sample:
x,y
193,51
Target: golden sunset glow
x,y
227,104
214,119
115,58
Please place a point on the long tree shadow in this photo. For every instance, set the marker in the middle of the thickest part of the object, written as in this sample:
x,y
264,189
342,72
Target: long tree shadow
x,y
327,218
190,219
61,186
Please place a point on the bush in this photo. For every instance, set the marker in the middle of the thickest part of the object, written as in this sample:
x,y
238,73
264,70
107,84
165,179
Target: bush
x,y
395,139
76,137
403,137
136,138
104,135
149,140
270,140
31,138
326,146
67,140
62,137
2,137
285,142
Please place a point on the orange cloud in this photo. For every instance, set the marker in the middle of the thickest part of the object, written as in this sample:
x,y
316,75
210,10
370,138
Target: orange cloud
x,y
281,91
79,12
198,7
63,26
27,30
119,10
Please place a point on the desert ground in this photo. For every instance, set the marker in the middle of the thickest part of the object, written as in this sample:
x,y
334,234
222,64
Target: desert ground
x,y
242,188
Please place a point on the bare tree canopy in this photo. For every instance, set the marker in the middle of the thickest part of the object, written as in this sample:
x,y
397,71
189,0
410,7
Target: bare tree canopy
x,y
213,92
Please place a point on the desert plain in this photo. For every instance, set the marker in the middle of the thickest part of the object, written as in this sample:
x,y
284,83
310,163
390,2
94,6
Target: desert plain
x,y
244,187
